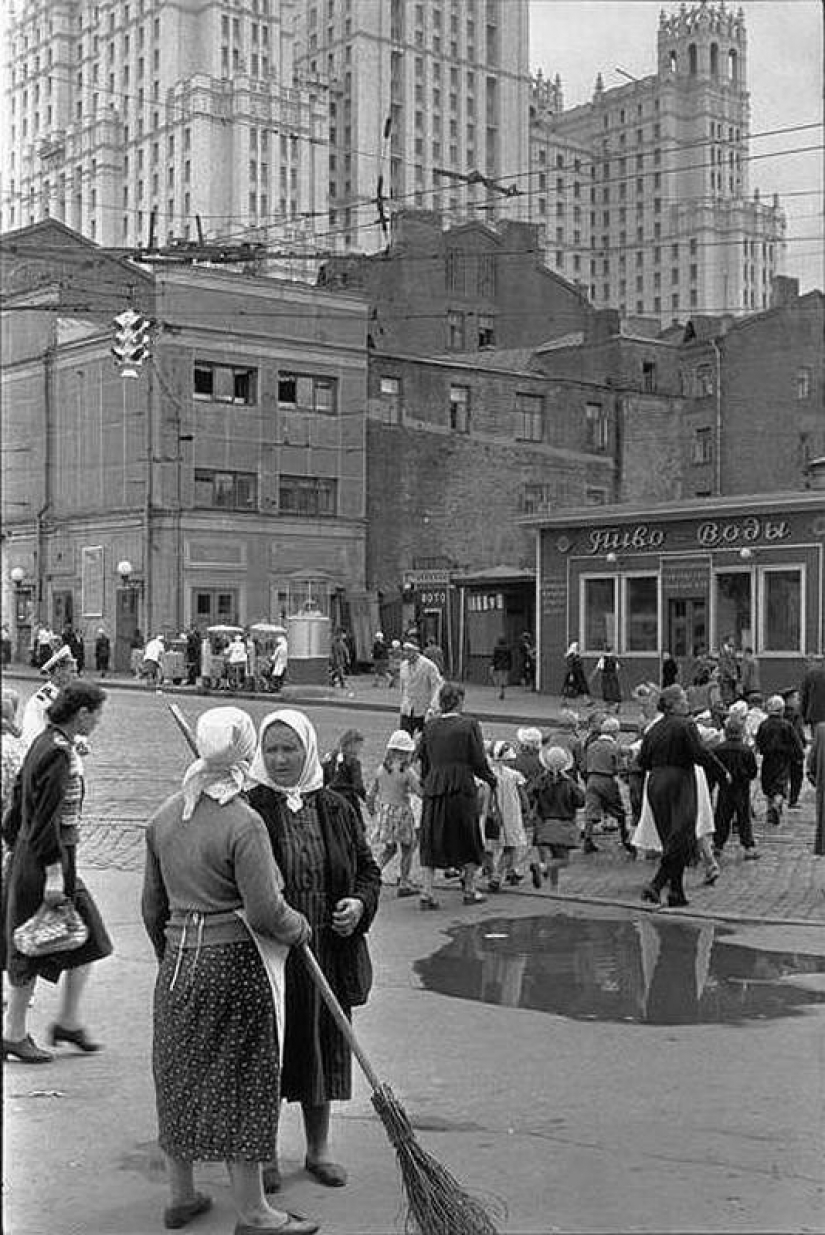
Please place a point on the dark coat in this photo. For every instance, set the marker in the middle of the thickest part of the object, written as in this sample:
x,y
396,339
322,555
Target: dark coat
x,y
351,871
452,756
812,696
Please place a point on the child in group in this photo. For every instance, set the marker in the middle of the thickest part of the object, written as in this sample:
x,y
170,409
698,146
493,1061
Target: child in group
x,y
506,852
389,799
778,744
554,797
796,776
602,795
733,804
342,769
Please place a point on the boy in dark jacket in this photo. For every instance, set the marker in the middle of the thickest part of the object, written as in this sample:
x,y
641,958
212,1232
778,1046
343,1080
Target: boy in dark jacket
x,y
733,804
793,715
778,744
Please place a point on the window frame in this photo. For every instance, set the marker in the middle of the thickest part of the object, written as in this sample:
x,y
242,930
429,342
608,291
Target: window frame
x,y
308,485
318,381
465,404
702,446
212,475
529,419
597,427
591,577
714,633
390,401
213,367
624,623
770,568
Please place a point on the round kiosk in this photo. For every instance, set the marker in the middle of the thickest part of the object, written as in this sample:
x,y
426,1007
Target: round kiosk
x,y
308,635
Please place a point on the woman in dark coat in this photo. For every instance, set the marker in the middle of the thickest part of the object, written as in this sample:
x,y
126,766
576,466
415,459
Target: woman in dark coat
x,y
609,667
41,828
331,876
452,756
670,750
575,682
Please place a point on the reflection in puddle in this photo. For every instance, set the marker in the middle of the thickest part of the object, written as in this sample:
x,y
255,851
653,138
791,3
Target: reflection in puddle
x,y
648,969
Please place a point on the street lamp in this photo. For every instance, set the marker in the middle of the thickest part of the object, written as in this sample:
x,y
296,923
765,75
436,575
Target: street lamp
x,y
125,569
17,575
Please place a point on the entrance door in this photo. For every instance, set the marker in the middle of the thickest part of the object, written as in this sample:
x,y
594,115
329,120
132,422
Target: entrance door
x,y
126,620
687,627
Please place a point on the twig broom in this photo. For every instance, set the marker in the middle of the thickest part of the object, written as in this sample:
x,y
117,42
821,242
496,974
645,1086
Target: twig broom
x,y
436,1202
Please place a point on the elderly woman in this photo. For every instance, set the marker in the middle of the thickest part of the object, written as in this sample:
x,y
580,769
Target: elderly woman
x,y
331,876
452,756
41,828
670,751
214,910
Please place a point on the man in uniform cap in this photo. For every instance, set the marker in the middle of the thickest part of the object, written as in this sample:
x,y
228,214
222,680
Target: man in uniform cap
x,y
59,669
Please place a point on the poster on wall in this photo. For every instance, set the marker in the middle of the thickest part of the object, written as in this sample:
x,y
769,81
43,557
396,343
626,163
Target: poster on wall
x,y
91,581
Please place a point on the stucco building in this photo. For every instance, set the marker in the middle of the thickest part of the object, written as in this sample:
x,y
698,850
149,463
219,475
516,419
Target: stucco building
x,y
230,474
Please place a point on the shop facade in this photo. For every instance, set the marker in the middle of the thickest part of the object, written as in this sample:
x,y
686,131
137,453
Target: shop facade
x,y
680,578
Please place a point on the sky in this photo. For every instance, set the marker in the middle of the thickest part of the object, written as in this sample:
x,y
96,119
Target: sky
x,y
579,38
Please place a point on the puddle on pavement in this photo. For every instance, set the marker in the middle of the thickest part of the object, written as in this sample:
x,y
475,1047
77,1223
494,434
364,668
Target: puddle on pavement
x,y
648,969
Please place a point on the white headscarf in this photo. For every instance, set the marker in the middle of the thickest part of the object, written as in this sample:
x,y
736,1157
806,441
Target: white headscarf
x,y
226,741
312,776
574,648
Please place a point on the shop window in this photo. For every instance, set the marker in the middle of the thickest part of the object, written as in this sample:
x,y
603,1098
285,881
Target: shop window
x,y
390,395
460,409
308,496
529,418
734,607
641,608
226,490
224,383
307,393
598,613
782,609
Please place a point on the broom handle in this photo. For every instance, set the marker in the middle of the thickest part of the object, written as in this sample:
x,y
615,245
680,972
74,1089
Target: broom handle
x,y
315,972
337,1013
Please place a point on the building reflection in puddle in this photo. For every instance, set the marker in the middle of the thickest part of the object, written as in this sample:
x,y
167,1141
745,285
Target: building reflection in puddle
x,y
647,969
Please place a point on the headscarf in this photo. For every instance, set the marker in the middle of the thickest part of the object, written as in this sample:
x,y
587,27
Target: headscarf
x,y
529,737
226,741
312,776
573,650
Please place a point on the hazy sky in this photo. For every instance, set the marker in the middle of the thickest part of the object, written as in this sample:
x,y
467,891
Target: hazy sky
x,y
579,38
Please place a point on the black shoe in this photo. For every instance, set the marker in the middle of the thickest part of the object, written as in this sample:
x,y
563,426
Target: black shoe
x,y
590,847
677,900
25,1050
650,895
535,874
76,1037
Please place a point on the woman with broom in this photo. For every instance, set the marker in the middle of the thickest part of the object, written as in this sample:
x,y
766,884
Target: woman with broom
x,y
332,878
214,911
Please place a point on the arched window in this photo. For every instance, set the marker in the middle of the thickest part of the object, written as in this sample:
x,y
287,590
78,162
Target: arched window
x,y
673,62
693,60
733,66
714,59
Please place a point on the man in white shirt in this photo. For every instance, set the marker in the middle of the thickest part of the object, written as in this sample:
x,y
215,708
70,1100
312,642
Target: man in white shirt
x,y
151,668
59,669
420,683
280,660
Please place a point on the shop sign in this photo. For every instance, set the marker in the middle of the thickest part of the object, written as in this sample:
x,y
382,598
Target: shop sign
x,y
432,597
715,534
553,597
609,540
425,578
484,602
685,578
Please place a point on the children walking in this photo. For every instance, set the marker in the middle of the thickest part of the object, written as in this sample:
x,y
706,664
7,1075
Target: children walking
x,y
733,803
602,795
555,797
389,800
508,854
342,769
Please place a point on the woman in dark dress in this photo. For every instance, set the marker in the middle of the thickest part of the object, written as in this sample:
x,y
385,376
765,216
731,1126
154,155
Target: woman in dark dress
x,y
452,756
609,667
670,670
332,878
670,750
42,829
575,682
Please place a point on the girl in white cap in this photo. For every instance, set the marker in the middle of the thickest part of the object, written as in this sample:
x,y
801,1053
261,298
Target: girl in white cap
x,y
508,853
390,798
555,797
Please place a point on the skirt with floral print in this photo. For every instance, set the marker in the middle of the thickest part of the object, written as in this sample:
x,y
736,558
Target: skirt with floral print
x,y
215,1055
395,825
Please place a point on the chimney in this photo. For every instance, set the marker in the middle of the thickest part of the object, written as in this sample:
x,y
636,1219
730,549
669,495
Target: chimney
x,y
784,291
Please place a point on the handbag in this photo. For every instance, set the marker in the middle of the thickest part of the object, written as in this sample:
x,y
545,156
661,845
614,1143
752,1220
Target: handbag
x,y
53,928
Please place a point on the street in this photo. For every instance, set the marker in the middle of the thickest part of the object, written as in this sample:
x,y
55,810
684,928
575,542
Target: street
x,y
520,1037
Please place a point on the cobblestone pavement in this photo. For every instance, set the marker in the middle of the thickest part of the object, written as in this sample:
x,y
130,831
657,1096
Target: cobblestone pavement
x,y
138,756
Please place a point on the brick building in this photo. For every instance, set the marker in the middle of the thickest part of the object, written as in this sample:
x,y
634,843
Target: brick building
x,y
231,474
459,289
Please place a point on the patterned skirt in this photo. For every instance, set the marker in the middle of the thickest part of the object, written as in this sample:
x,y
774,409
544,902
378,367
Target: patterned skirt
x,y
215,1056
395,825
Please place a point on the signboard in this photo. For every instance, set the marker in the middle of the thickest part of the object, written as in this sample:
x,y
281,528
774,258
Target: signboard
x,y
685,577
553,597
426,578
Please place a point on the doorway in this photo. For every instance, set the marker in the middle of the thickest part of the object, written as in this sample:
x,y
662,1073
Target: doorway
x,y
687,626
126,623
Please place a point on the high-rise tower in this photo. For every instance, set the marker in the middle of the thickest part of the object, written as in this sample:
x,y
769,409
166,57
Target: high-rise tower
x,y
666,225
115,111
423,95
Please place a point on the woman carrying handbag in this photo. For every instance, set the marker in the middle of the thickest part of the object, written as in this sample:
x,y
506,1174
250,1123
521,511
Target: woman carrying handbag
x,y
41,828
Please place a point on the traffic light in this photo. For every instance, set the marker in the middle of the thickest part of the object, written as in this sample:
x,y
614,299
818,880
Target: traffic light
x,y
131,341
